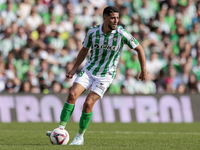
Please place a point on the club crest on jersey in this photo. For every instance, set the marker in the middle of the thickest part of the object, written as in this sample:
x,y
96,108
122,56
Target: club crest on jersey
x,y
98,37
97,46
115,38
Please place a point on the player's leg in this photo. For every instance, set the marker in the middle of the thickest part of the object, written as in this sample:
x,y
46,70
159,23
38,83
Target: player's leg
x,y
68,107
99,87
82,83
85,117
87,111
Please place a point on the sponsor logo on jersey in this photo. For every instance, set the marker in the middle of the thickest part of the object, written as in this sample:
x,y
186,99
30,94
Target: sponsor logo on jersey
x,y
97,46
134,40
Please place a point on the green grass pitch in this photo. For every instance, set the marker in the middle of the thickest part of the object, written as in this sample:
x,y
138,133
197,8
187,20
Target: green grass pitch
x,y
104,136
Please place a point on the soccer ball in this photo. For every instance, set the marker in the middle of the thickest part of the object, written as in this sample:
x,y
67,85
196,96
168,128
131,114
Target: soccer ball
x,y
59,136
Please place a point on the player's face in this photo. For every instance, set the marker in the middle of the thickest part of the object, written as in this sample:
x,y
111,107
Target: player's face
x,y
112,20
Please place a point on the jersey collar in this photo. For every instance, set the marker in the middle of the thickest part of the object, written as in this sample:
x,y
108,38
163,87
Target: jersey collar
x,y
101,32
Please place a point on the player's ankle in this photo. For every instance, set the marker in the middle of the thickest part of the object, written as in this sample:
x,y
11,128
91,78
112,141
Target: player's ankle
x,y
79,135
60,126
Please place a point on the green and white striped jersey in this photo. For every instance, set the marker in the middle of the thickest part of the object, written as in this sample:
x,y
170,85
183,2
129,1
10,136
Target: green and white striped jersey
x,y
106,49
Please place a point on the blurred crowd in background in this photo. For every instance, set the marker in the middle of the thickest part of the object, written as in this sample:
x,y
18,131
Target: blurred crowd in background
x,y
40,39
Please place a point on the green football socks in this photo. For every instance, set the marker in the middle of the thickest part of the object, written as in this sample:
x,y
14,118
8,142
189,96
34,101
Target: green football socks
x,y
84,122
66,113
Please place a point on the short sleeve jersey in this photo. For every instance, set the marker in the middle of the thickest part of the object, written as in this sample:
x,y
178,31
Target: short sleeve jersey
x,y
106,49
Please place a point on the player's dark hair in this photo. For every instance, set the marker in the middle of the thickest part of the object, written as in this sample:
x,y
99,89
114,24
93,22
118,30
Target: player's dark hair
x,y
110,9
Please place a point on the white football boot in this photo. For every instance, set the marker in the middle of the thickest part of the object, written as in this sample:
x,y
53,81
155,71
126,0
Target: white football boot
x,y
48,133
77,141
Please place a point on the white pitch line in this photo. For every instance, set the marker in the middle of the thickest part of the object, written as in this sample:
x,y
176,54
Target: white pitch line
x,y
127,132
117,132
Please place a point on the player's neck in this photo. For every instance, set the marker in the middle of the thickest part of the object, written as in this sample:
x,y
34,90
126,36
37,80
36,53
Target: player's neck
x,y
106,29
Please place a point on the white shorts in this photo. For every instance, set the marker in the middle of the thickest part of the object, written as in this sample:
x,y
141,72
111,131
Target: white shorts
x,y
99,84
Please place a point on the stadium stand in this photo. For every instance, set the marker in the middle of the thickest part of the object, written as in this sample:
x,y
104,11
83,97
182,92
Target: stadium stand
x,y
40,39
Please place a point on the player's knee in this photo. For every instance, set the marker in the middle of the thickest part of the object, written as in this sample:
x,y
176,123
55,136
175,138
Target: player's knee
x,y
87,106
71,97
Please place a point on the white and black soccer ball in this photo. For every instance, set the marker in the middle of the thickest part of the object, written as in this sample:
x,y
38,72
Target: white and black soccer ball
x,y
59,136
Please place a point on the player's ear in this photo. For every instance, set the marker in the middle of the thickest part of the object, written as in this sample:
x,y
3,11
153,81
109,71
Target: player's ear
x,y
104,18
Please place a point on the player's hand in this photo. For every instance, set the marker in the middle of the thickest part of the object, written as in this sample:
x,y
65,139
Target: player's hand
x,y
143,75
70,74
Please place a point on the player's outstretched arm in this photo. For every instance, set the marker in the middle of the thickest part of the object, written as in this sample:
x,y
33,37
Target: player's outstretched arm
x,y
81,56
142,59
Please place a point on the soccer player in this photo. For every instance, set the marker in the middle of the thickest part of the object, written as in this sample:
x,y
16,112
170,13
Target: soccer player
x,y
106,42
